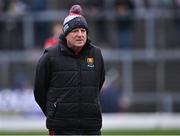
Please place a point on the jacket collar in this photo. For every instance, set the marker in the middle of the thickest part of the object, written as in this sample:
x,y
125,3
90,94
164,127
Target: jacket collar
x,y
70,52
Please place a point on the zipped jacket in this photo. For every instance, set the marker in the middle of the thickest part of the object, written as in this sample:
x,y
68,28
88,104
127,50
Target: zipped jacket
x,y
67,87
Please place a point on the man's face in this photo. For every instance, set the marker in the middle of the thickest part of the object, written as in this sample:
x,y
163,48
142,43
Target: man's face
x,y
76,38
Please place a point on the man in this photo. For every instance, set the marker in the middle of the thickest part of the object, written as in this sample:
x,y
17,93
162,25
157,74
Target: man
x,y
53,40
68,81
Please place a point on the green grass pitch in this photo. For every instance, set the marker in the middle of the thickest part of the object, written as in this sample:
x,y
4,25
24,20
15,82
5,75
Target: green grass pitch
x,y
109,132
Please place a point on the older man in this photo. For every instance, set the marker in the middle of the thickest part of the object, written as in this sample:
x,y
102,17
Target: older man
x,y
68,81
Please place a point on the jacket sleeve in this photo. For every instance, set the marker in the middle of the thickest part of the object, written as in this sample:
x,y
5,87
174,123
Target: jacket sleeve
x,y
102,78
41,82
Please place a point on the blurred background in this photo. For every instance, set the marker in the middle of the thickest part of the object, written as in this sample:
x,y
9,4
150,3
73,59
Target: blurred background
x,y
140,45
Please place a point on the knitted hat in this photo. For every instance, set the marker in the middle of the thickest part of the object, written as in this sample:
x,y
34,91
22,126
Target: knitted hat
x,y
74,20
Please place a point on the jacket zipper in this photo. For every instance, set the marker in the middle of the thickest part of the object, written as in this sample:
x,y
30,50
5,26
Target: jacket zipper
x,y
79,112
58,100
55,106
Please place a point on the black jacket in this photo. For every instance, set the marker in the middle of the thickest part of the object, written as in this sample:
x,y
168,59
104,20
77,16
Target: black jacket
x,y
67,87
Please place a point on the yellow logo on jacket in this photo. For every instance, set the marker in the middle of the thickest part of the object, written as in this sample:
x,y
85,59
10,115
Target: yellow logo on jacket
x,y
90,62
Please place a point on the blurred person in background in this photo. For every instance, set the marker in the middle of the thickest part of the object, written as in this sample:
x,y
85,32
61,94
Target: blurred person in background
x,y
112,97
68,81
111,92
124,23
54,39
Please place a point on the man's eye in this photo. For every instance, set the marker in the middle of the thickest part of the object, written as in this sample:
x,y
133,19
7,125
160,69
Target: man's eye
x,y
83,30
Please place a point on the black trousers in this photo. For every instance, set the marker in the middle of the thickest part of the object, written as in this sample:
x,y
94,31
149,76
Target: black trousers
x,y
53,132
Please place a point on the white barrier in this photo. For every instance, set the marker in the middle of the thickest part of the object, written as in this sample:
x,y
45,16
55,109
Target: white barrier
x,y
22,123
110,121
141,121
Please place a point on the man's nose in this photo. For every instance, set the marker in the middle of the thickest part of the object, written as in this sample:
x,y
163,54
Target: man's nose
x,y
79,32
